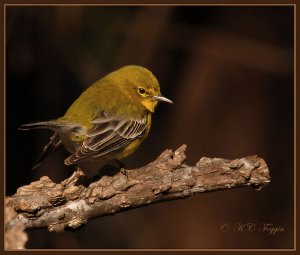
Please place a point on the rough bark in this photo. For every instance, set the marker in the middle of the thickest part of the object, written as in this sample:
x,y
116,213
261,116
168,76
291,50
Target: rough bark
x,y
15,237
70,204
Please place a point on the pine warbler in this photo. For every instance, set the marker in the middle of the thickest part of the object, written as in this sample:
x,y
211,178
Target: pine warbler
x,y
108,121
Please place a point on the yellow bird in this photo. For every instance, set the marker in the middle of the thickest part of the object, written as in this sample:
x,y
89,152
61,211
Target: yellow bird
x,y
109,120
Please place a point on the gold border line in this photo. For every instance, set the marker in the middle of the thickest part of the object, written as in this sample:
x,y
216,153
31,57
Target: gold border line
x,y
295,124
139,4
4,112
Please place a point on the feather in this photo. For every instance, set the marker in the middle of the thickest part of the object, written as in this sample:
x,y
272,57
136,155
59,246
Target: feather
x,y
108,134
54,143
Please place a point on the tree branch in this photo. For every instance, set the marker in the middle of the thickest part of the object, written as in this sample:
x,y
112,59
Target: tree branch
x,y
15,237
70,204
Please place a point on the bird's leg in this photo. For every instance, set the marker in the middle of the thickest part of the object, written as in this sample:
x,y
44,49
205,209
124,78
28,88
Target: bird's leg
x,y
121,165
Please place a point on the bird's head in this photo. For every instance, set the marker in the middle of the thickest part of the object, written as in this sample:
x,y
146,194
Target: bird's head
x,y
139,84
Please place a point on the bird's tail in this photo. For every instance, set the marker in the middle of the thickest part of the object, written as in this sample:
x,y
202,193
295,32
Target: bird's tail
x,y
54,143
57,125
51,124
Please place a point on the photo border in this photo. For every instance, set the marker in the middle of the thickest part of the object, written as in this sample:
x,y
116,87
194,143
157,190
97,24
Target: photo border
x,y
144,3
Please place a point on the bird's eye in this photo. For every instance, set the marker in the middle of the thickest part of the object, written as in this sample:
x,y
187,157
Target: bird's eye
x,y
142,91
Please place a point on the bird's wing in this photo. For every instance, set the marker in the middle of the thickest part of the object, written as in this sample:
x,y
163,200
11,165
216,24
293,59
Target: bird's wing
x,y
108,135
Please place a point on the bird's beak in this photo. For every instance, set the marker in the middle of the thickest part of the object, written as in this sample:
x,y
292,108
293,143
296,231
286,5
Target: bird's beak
x,y
163,99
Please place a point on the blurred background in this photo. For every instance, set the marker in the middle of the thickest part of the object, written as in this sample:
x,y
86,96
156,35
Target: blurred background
x,y
229,70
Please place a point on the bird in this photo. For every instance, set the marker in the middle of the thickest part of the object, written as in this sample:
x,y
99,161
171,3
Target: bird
x,y
108,121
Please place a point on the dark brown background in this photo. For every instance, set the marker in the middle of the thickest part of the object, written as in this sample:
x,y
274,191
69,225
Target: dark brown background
x,y
229,71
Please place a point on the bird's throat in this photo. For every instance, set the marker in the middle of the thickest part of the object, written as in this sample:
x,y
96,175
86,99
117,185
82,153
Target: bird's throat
x,y
149,104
